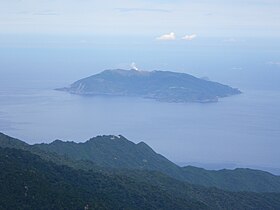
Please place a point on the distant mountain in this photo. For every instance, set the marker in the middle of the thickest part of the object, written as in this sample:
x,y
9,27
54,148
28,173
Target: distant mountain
x,y
159,85
29,182
240,179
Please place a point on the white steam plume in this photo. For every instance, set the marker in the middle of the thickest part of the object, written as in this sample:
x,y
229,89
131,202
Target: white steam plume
x,y
133,66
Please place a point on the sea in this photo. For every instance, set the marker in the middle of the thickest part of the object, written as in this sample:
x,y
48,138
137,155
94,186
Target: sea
x,y
238,131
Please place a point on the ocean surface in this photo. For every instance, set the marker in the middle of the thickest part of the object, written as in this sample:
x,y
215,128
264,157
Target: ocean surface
x,y
238,131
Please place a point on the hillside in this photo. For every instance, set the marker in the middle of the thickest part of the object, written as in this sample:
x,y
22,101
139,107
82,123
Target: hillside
x,y
159,85
116,153
240,179
28,182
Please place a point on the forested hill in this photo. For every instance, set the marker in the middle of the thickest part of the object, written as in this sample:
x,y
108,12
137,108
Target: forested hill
x,y
120,153
29,182
165,86
116,153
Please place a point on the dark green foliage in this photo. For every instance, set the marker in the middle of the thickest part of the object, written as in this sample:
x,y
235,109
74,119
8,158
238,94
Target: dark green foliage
x,y
9,142
118,152
160,85
28,182
212,197
234,180
114,152
123,185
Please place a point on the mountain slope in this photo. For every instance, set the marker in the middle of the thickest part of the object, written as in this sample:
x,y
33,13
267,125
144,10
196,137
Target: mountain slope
x,y
239,179
119,153
114,152
28,182
160,85
9,142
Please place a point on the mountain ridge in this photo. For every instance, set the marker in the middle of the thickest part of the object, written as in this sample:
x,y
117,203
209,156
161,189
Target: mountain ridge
x,y
114,152
31,182
117,153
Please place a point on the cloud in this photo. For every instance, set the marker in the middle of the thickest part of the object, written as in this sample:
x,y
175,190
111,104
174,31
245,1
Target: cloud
x,y
237,68
189,37
230,40
47,12
125,10
274,63
167,37
133,66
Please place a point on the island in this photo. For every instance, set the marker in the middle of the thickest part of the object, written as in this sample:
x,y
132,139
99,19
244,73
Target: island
x,y
166,86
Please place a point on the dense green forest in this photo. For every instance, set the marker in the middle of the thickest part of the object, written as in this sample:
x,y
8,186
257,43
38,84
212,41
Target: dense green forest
x,y
28,182
118,152
32,178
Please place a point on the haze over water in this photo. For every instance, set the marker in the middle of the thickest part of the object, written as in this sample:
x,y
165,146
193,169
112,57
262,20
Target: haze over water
x,y
241,130
50,44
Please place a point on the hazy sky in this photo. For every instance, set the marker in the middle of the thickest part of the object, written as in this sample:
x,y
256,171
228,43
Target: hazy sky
x,y
235,42
142,17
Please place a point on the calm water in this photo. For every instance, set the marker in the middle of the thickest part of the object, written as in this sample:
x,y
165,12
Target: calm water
x,y
241,130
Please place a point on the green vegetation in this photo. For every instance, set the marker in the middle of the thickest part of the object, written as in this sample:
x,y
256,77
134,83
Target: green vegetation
x,y
28,182
114,152
160,85
34,177
118,152
240,179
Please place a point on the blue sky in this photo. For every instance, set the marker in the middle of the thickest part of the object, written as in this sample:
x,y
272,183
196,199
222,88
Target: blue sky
x,y
218,18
